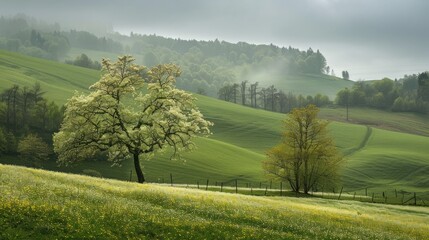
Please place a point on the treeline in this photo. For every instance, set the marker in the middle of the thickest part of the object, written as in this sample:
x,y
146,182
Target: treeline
x,y
27,121
30,37
84,61
269,98
294,60
408,94
206,65
210,65
86,40
18,35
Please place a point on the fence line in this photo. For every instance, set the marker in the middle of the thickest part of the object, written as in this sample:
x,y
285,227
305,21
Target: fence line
x,y
393,196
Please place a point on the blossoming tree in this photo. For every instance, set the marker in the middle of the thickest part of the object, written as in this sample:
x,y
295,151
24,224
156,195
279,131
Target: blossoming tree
x,y
131,112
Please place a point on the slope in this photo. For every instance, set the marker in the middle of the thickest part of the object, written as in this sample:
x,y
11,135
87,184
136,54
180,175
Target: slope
x,y
37,204
241,137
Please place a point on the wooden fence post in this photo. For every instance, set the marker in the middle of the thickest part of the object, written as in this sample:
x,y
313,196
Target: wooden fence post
x,y
372,200
366,192
131,174
171,179
266,188
281,188
354,195
415,198
236,186
221,187
207,185
198,184
271,184
260,184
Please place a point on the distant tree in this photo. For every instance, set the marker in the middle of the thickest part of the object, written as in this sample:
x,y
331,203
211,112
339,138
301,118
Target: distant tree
x,y
272,94
3,142
328,70
345,75
117,118
32,148
235,91
11,143
307,157
225,93
201,91
84,61
282,100
253,92
423,87
264,97
243,92
12,98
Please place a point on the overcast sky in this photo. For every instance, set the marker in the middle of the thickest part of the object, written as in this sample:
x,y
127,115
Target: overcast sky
x,y
369,38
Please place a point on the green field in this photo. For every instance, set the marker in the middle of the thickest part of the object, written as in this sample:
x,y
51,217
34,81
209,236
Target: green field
x,y
241,135
412,123
309,84
37,204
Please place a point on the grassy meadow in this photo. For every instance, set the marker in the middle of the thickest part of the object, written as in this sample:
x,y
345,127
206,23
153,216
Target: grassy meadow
x,y
309,84
375,158
39,204
412,123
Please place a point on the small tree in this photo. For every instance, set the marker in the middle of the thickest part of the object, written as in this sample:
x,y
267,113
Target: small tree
x,y
118,118
3,142
307,157
32,148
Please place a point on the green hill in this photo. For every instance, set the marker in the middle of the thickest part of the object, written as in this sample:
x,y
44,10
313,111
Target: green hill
x,y
241,135
37,204
306,84
309,84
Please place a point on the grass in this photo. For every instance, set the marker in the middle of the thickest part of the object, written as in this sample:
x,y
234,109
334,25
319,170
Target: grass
x,y
401,163
241,136
57,79
310,84
38,204
412,123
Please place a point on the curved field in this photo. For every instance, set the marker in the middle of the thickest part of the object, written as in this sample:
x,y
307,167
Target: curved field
x,y
390,161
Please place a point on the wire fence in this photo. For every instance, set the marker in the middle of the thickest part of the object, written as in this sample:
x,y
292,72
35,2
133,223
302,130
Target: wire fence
x,y
281,189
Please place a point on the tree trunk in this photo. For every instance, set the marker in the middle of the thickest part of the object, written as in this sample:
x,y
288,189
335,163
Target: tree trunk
x,y
139,172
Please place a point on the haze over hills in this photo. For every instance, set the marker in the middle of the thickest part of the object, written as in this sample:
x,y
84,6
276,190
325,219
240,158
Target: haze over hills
x,y
241,136
207,65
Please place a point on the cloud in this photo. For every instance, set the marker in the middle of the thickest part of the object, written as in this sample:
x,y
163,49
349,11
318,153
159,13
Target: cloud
x,y
368,30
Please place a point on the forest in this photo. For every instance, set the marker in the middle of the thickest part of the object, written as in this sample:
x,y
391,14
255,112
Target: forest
x,y
27,122
408,94
216,68
207,65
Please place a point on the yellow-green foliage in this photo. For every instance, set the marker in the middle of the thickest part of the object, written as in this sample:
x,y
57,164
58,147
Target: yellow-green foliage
x,y
37,204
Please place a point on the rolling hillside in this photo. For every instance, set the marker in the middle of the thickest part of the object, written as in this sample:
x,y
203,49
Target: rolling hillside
x,y
37,204
306,84
375,158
